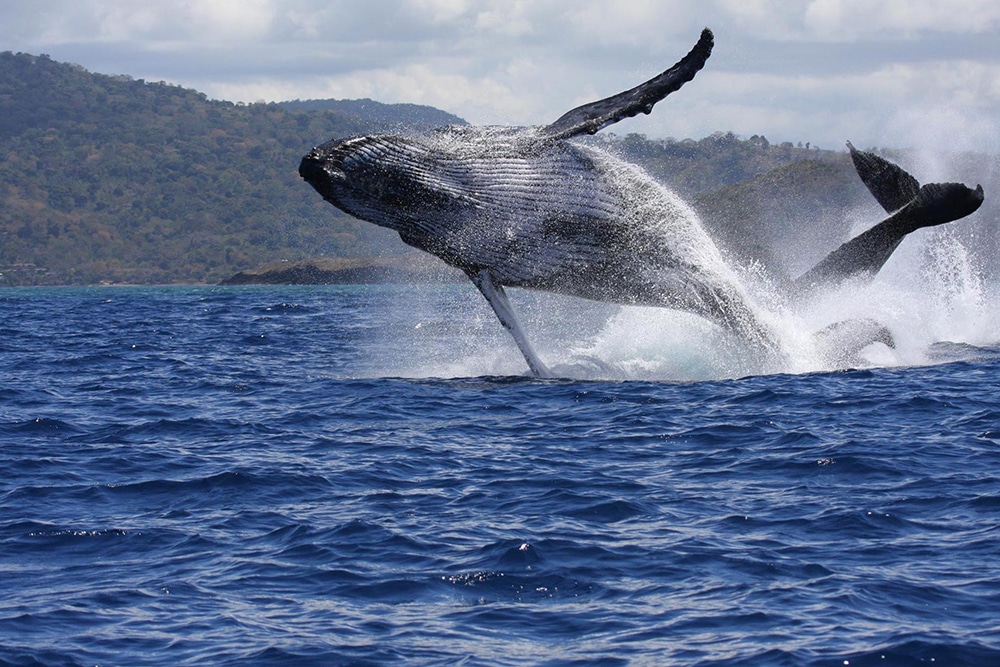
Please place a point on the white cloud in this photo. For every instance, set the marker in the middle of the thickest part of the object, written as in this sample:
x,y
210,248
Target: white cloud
x,y
634,23
856,20
809,70
231,19
850,19
893,105
112,21
440,11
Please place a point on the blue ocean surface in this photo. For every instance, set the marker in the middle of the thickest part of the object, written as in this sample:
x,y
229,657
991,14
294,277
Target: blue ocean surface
x,y
362,475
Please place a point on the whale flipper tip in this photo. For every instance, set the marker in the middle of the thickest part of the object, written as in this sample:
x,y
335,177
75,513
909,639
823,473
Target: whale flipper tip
x,y
592,117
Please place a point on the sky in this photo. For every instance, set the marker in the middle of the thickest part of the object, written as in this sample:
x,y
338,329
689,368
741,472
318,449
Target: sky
x,y
919,74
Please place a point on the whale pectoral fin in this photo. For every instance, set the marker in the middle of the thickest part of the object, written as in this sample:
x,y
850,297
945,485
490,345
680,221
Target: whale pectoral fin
x,y
497,298
892,187
592,117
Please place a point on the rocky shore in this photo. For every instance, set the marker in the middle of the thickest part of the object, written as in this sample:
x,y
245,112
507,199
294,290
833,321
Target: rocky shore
x,y
411,267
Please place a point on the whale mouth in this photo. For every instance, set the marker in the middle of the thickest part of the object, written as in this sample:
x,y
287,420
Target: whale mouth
x,y
326,177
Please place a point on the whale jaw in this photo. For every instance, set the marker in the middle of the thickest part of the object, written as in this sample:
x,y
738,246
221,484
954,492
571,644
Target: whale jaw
x,y
323,176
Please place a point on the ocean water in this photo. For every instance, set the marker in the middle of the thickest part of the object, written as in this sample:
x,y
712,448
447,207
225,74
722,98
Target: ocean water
x,y
363,476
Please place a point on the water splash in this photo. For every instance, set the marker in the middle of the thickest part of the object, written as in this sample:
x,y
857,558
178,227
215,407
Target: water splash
x,y
940,285
931,293
932,290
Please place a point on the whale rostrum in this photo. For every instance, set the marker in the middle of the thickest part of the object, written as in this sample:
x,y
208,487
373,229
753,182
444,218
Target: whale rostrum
x,y
528,207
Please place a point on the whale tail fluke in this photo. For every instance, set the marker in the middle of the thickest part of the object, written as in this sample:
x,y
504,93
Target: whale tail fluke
x,y
939,203
894,189
911,206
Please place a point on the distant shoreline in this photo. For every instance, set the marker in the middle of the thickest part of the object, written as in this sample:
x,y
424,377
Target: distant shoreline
x,y
411,267
406,268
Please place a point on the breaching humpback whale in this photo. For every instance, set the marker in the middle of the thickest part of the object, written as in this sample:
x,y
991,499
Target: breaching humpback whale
x,y
527,207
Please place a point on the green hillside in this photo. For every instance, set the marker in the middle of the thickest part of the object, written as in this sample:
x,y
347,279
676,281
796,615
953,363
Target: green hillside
x,y
105,178
380,117
110,179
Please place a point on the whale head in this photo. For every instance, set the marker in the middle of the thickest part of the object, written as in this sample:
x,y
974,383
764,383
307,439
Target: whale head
x,y
393,181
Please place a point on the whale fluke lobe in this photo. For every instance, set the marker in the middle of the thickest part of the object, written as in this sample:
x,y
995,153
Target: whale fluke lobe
x,y
892,187
912,206
595,116
940,203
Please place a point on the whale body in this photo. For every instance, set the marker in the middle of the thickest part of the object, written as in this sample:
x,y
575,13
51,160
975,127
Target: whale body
x,y
511,210
527,207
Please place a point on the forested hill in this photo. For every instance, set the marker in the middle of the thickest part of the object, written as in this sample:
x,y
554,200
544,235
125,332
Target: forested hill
x,y
110,179
382,117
